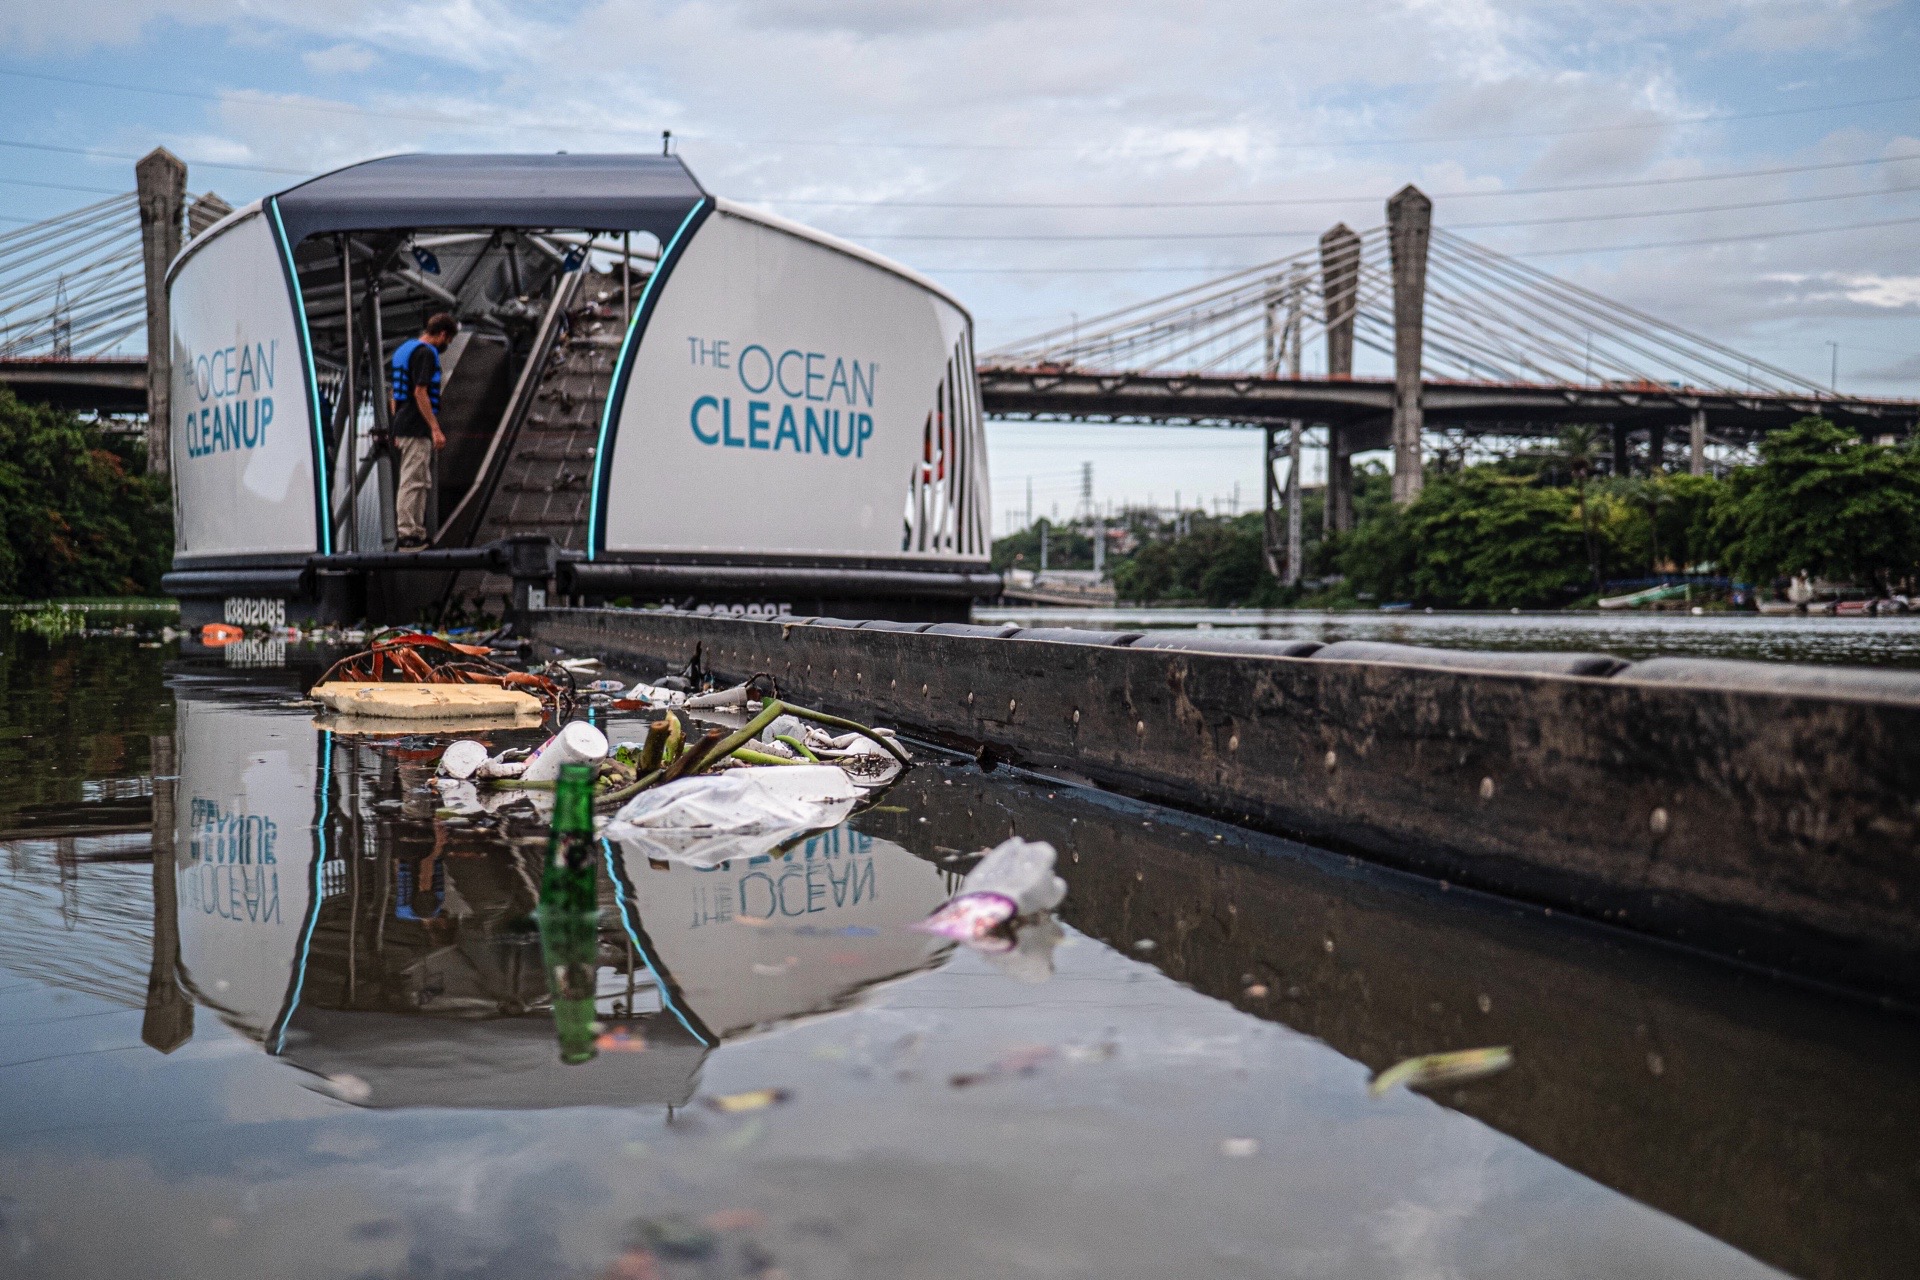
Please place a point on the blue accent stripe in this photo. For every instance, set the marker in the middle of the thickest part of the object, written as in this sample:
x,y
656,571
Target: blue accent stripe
x,y
617,389
633,936
279,1033
322,515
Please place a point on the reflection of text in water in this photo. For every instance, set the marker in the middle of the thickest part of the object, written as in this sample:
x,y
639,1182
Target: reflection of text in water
x,y
832,870
229,868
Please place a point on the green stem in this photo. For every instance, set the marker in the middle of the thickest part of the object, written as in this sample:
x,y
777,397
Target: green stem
x,y
821,717
760,757
797,745
620,795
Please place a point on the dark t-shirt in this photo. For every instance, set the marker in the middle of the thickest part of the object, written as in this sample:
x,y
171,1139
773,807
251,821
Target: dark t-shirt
x,y
421,366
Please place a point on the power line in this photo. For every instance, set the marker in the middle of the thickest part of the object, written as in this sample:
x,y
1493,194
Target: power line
x,y
1458,226
1331,200
117,155
576,127
1521,253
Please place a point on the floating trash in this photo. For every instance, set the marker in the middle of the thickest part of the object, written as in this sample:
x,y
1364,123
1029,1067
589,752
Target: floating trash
x,y
1442,1068
751,1100
742,813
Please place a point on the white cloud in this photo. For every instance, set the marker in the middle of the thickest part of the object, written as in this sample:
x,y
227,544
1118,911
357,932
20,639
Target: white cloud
x,y
340,59
1130,101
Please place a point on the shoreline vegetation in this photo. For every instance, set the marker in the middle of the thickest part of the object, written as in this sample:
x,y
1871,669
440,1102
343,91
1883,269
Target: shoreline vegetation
x,y
80,515
1544,530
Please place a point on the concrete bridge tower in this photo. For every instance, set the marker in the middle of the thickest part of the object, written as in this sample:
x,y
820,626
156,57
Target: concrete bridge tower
x,y
1409,227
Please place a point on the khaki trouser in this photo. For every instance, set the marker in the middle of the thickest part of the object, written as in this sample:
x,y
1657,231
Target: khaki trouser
x,y
416,477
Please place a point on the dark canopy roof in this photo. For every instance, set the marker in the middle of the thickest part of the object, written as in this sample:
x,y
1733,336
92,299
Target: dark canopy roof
x,y
588,192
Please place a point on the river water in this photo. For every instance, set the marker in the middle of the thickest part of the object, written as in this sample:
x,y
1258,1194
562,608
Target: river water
x,y
1863,642
266,1015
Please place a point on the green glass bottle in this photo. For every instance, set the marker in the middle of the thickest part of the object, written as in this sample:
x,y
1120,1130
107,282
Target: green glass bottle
x,y
570,945
570,882
570,914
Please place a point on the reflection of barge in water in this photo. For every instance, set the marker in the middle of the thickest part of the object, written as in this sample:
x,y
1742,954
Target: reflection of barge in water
x,y
813,404
387,947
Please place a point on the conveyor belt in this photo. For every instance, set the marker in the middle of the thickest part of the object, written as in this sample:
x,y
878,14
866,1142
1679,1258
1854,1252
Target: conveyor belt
x,y
540,485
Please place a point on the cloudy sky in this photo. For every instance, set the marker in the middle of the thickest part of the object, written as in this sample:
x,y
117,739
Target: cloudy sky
x,y
1052,159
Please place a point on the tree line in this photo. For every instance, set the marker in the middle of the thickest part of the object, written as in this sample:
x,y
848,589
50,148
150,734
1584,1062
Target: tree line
x,y
1549,530
79,514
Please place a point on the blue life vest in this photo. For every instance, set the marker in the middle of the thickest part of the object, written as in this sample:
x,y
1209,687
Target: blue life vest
x,y
403,384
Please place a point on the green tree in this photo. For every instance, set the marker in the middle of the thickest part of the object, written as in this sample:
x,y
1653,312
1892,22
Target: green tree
x,y
1824,502
1580,448
78,514
1217,561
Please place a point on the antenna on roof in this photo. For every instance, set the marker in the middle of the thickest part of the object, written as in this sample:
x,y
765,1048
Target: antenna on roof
x,y
666,142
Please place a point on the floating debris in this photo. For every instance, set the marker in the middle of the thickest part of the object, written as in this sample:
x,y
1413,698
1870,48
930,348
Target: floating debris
x,y
1013,881
621,1040
1442,1068
416,658
751,1100
742,813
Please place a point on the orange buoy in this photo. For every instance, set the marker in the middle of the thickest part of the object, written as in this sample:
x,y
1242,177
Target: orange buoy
x,y
215,634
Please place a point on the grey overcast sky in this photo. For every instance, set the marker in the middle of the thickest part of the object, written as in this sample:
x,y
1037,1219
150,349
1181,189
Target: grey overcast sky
x,y
978,142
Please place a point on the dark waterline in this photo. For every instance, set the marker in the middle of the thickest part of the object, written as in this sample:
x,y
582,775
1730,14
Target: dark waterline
x,y
1860,642
342,1061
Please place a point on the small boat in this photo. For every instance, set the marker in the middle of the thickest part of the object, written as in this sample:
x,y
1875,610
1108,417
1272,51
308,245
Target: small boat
x,y
1778,608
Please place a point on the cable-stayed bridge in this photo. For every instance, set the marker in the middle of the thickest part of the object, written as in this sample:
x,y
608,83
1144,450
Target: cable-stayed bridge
x,y
1481,347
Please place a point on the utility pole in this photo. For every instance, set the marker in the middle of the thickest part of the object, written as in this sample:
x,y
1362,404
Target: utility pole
x,y
1029,502
1339,288
1409,228
1833,380
1296,314
1697,442
160,178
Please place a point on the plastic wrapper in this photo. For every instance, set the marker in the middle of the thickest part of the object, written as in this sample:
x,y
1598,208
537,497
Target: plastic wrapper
x,y
740,813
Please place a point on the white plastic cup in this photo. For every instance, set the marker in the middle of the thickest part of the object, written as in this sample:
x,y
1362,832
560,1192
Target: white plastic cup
x,y
462,758
576,743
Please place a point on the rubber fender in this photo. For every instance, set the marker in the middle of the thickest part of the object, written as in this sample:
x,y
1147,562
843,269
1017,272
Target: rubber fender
x,y
1869,684
1533,664
1208,642
1076,635
991,632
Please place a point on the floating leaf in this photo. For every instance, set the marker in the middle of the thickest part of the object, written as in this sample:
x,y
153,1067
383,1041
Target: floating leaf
x,y
1442,1068
751,1100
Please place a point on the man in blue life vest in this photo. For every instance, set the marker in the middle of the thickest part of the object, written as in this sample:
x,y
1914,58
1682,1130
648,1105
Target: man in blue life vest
x,y
414,373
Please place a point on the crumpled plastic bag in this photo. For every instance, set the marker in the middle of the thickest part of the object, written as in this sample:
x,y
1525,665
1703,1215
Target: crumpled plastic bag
x,y
737,813
1021,870
1014,881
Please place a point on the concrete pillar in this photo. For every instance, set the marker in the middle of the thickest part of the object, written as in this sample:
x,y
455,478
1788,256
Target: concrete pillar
x,y
1656,448
161,180
1620,453
1296,544
1697,443
1270,507
1339,288
168,1023
1409,227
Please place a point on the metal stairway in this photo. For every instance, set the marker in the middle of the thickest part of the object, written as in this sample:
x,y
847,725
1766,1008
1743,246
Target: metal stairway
x,y
541,484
